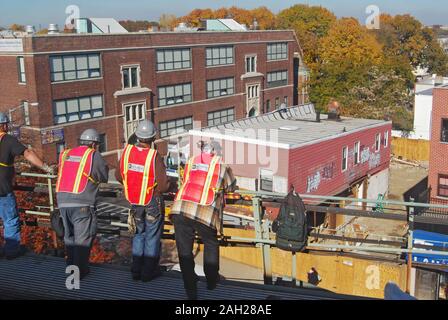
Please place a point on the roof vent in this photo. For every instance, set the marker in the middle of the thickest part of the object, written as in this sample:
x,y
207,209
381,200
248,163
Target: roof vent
x,y
289,128
30,30
53,28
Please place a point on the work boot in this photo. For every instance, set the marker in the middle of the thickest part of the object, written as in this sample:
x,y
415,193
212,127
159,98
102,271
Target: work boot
x,y
211,285
151,269
192,294
136,268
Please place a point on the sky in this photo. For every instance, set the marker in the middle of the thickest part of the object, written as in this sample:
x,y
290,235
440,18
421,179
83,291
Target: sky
x,y
42,12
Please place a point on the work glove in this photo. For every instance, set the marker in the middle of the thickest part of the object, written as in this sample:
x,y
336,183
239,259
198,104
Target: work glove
x,y
132,226
49,170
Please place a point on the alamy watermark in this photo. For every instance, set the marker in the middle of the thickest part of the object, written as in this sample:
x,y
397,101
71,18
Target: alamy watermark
x,y
373,18
73,281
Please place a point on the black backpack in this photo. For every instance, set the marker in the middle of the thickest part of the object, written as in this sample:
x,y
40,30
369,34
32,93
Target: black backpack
x,y
291,224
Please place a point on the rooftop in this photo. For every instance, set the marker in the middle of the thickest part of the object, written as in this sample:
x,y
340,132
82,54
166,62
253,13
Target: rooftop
x,y
288,128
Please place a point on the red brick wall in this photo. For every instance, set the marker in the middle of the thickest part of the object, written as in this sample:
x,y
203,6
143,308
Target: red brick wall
x,y
323,161
438,159
39,88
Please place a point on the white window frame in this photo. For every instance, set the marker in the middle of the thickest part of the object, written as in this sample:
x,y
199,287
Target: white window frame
x,y
129,67
377,142
271,173
357,153
254,66
21,69
130,105
386,139
344,161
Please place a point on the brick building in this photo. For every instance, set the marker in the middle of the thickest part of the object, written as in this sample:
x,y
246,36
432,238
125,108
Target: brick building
x,y
438,159
318,154
61,84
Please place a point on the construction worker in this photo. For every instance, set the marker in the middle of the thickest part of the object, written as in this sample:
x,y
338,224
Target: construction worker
x,y
143,174
81,170
10,148
198,207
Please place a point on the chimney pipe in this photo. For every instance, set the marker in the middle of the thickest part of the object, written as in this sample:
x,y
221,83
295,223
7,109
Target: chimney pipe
x,y
53,28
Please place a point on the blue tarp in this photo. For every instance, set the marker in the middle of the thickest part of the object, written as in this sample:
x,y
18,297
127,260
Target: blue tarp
x,y
435,240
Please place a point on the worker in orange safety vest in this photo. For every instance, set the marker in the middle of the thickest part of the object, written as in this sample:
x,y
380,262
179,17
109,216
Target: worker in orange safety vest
x,y
198,207
81,170
143,175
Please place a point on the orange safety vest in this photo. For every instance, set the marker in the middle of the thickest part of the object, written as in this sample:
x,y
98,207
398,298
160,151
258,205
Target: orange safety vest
x,y
75,166
5,165
201,179
137,167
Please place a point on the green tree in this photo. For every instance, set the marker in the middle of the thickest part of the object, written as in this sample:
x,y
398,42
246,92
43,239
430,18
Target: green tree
x,y
311,23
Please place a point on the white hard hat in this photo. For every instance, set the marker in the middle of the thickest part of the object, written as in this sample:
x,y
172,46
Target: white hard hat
x,y
90,135
145,130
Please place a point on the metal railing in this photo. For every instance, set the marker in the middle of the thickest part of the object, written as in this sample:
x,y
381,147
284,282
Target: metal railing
x,y
263,236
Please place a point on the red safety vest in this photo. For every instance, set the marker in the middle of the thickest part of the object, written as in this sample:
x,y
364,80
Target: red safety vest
x,y
201,179
137,167
75,166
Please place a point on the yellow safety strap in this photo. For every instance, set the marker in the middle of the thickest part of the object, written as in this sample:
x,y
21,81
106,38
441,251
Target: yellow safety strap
x,y
63,157
208,180
187,176
127,152
144,189
80,172
90,178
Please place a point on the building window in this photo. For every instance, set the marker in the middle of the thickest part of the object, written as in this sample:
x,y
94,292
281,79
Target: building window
x,y
377,142
173,59
386,139
133,114
172,127
344,158
277,51
251,64
170,95
357,152
60,146
75,67
21,69
444,133
77,109
443,186
221,116
220,87
268,105
218,56
103,143
131,77
285,100
277,103
266,180
277,79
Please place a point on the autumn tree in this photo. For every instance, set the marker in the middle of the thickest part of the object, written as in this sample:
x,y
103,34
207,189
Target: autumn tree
x,y
16,27
135,26
264,17
168,21
405,36
345,55
311,23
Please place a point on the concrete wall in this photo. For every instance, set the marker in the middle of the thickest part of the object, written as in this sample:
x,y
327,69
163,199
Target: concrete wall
x,y
378,183
422,117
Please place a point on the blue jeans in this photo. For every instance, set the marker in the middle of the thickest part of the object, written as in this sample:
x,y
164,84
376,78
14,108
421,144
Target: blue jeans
x,y
11,223
146,245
